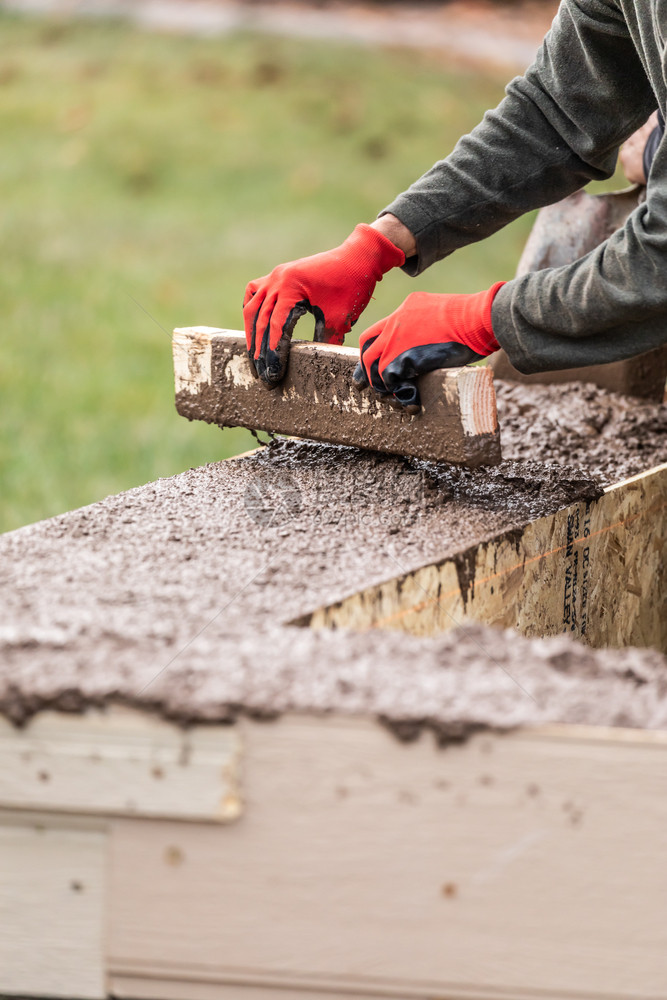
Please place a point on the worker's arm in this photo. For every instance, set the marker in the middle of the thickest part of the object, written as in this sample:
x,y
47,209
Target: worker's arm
x,y
400,235
608,306
558,127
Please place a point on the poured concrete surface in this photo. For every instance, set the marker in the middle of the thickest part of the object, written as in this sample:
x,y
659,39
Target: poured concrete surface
x,y
612,436
173,595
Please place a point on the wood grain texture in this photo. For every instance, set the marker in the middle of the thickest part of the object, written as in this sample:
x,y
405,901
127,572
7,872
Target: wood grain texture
x,y
595,570
361,867
319,400
523,866
120,761
53,897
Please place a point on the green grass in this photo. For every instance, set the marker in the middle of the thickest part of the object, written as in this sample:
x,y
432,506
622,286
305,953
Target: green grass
x,y
148,176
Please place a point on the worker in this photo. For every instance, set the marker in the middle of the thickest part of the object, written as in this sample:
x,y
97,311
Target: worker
x,y
637,154
599,74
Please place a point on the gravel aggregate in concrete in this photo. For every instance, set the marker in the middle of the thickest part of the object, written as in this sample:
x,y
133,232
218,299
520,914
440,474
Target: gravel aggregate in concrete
x,y
174,596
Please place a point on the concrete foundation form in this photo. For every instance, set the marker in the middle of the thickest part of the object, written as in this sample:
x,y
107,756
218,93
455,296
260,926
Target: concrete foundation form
x,y
353,866
201,800
595,570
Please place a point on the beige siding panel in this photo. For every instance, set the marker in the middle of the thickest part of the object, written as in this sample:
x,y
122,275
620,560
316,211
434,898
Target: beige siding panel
x,y
52,910
120,761
529,865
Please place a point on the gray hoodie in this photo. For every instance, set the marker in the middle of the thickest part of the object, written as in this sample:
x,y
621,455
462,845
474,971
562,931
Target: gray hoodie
x,y
599,74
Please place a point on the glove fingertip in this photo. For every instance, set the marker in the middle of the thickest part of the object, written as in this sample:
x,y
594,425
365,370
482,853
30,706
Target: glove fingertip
x,y
359,377
276,365
408,397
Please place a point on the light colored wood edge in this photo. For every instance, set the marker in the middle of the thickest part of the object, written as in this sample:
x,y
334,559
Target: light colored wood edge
x,y
192,356
134,986
623,483
120,762
594,735
244,454
477,397
198,340
137,983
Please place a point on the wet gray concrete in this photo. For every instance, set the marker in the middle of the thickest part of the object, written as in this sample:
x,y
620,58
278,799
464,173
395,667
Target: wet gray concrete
x,y
173,595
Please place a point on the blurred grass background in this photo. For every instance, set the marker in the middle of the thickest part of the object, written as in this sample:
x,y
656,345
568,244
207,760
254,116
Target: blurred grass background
x,y
145,179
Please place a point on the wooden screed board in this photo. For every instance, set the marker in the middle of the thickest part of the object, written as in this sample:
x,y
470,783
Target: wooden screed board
x,y
319,400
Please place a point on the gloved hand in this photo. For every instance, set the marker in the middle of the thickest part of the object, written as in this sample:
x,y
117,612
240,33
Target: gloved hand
x,y
426,332
336,286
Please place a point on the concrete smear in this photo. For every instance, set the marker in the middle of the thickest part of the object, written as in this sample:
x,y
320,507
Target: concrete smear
x,y
173,596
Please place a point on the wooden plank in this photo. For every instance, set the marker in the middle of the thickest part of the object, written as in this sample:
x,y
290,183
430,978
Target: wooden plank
x,y
529,866
120,761
148,988
52,910
318,399
595,570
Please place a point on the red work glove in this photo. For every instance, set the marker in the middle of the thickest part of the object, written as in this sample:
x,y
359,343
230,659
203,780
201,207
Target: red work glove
x,y
335,286
426,332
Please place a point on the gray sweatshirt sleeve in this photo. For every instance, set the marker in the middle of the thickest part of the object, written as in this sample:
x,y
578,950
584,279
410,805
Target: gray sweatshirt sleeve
x,y
558,127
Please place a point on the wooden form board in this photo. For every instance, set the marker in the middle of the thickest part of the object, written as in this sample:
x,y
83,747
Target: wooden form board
x,y
62,778
124,762
595,570
53,893
319,400
528,866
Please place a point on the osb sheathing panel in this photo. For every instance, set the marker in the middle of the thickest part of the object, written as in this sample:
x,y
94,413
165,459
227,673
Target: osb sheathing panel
x,y
596,570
